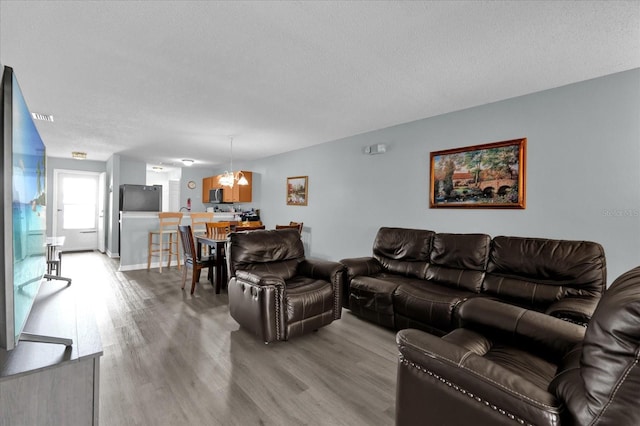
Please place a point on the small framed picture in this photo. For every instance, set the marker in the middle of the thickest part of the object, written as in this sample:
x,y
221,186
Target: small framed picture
x,y
297,190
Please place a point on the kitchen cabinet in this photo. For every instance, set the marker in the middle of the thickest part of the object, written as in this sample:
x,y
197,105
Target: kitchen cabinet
x,y
235,194
239,193
206,186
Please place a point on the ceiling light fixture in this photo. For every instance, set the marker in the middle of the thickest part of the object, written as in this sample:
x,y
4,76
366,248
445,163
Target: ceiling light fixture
x,y
229,178
156,168
79,155
187,162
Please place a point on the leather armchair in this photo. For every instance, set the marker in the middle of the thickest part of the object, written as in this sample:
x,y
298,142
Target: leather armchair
x,y
509,365
274,291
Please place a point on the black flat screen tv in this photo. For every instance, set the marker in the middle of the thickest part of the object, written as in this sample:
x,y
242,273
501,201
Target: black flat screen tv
x,y
23,209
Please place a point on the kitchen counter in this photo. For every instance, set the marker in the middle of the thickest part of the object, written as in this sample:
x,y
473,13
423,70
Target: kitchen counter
x,y
134,236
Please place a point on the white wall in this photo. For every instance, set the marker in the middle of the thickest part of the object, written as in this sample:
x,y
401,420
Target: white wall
x,y
583,172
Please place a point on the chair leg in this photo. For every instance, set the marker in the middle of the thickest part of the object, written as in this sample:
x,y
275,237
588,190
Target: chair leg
x,y
170,250
193,279
178,251
184,276
161,251
150,249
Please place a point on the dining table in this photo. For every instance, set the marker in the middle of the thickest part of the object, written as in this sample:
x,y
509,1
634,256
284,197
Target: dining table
x,y
217,246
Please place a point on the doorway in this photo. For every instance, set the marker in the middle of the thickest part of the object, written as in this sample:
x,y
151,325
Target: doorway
x,y
78,209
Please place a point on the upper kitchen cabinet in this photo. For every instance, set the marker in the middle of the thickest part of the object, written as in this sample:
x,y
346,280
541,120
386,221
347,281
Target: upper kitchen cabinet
x,y
239,193
235,194
208,184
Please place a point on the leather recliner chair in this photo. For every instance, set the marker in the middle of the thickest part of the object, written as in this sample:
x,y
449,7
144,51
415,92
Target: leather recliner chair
x,y
510,365
274,291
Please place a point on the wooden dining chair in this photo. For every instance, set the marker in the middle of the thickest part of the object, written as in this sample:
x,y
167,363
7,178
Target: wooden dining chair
x,y
165,239
241,228
250,223
191,258
218,230
291,225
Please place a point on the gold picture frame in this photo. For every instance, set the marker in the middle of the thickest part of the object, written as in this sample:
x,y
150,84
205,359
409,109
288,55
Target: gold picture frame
x,y
481,176
297,187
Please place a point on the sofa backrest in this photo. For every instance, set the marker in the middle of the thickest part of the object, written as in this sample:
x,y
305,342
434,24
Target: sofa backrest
x,y
535,272
604,390
277,252
459,260
403,251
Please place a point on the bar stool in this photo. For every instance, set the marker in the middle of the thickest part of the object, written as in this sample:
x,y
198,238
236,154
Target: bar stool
x,y
199,222
169,223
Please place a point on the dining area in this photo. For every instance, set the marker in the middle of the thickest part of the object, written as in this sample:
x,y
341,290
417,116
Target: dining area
x,y
205,247
188,242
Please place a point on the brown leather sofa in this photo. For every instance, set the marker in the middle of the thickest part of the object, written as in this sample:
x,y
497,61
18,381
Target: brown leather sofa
x,y
513,366
417,278
274,291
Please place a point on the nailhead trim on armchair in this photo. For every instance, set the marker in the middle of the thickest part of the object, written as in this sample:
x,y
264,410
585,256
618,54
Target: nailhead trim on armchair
x,y
476,398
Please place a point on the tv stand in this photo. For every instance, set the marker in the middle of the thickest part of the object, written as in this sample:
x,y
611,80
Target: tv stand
x,y
53,384
30,337
57,277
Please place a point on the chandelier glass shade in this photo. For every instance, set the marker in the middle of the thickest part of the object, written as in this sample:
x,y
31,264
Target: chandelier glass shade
x,y
229,178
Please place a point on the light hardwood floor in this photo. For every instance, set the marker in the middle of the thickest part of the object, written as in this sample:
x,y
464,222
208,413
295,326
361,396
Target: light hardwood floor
x,y
175,359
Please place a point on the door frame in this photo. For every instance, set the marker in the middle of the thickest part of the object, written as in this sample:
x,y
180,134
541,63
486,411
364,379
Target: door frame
x,y
56,182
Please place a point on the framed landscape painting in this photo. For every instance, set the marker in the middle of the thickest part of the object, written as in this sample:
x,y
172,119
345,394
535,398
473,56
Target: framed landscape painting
x,y
297,190
481,176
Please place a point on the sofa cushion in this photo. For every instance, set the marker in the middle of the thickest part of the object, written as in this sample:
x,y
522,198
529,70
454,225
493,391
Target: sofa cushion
x,y
307,297
459,260
403,251
428,303
536,272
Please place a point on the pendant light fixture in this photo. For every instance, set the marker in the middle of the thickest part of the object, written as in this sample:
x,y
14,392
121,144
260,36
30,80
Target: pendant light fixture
x,y
228,177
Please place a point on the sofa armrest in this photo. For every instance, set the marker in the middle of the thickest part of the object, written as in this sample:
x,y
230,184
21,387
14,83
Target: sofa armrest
x,y
435,373
256,302
543,334
259,278
333,272
361,266
320,269
574,309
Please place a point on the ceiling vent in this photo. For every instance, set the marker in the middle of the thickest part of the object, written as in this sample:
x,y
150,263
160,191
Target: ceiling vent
x,y
42,117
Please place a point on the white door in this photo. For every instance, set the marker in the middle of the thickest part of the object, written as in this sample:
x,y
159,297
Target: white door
x,y
77,209
101,195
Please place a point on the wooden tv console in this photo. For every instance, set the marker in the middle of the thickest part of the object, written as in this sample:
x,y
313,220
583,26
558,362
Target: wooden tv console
x,y
51,384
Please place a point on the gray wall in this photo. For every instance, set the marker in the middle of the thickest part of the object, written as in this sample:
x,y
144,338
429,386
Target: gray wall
x,y
583,172
195,174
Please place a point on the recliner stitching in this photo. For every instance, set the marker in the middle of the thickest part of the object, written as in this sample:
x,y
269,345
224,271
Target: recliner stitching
x,y
615,389
476,398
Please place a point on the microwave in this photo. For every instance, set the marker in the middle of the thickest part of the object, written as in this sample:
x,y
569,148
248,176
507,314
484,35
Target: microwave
x,y
215,196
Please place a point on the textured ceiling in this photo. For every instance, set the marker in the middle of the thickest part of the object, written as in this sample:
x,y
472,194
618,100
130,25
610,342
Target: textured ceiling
x,y
165,80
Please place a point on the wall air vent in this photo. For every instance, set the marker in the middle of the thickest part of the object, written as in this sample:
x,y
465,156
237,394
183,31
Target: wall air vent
x,y
42,117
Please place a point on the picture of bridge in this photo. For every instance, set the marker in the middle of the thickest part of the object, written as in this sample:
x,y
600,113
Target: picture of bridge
x,y
488,175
